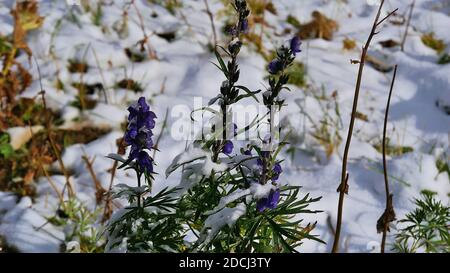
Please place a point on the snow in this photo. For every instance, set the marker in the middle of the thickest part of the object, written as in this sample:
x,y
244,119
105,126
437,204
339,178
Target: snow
x,y
28,231
210,166
21,135
227,216
259,191
229,199
419,114
190,155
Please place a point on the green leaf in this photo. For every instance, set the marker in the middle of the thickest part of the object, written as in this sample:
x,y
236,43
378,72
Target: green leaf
x,y
223,67
248,91
6,150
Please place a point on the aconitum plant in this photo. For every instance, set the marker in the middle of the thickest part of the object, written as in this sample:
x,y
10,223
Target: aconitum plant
x,y
148,223
231,200
228,199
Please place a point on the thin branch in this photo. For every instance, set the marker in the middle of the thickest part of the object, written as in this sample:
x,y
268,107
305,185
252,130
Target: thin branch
x,y
388,214
151,51
101,74
99,190
211,19
263,20
49,179
384,133
56,151
164,125
343,186
407,25
49,135
108,209
387,16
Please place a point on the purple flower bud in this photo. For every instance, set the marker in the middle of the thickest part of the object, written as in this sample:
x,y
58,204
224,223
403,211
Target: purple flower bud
x,y
145,162
265,153
244,26
228,147
248,152
269,202
231,30
277,170
295,45
235,46
275,66
259,162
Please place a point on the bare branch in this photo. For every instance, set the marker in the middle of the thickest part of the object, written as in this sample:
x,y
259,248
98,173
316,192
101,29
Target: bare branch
x,y
344,187
389,214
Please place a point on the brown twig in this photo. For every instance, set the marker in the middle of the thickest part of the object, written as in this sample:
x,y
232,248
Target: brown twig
x,y
107,212
407,25
343,186
101,74
55,149
164,125
52,183
49,179
151,51
330,225
389,214
211,19
50,137
263,19
163,86
99,190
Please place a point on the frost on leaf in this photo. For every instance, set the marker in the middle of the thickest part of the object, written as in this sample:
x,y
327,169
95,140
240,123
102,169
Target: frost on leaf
x,y
210,166
190,155
224,201
213,224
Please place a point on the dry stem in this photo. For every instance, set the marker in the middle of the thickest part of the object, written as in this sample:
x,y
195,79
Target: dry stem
x,y
389,210
343,186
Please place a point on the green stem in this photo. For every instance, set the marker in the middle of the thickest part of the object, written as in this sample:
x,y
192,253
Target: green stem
x,y
139,185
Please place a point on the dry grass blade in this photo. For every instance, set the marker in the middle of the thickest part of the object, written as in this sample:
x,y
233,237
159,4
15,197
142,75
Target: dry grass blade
x,y
407,26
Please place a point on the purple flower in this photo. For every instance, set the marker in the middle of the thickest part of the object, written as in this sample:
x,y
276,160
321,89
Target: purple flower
x,y
277,170
269,202
139,134
259,163
231,30
247,152
228,147
295,45
275,66
145,161
244,26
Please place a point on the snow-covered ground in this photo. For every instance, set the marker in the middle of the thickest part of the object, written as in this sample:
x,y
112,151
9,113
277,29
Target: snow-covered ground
x,y
183,70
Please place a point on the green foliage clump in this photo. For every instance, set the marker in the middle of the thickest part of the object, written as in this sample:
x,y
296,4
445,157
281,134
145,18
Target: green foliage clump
x,y
293,21
154,227
6,150
297,74
444,59
426,228
171,5
80,225
432,42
